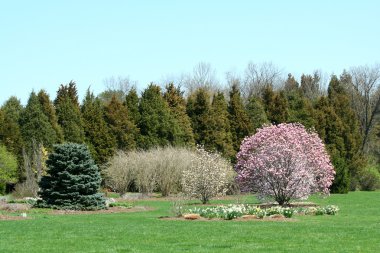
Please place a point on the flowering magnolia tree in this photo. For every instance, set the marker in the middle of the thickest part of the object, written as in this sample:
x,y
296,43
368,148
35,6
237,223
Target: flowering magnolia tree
x,y
207,176
284,162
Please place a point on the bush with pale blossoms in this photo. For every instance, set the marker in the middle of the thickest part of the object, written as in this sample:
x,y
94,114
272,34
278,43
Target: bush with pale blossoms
x,y
284,162
208,175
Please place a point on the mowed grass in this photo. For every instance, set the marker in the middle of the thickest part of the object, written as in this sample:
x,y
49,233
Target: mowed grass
x,y
355,229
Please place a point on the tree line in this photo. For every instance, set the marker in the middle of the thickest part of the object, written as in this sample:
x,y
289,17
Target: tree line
x,y
345,115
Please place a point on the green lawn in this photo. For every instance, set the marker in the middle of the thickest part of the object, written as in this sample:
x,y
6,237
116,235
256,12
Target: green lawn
x,y
355,229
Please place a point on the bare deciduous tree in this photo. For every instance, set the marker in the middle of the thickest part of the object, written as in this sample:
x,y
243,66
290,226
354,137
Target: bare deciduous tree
x,y
203,76
366,94
116,86
258,76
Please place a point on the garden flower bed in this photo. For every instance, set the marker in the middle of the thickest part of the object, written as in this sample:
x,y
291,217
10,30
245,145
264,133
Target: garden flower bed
x,y
229,212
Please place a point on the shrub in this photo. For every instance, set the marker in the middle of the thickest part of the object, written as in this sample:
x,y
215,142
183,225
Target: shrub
x,y
284,162
73,180
155,169
369,179
208,175
120,174
8,168
121,204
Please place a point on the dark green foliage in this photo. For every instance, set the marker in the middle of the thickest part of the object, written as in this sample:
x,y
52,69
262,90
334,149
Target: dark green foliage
x,y
219,134
49,110
341,182
240,123
73,180
10,132
132,104
276,106
157,125
339,99
256,113
97,136
198,109
174,97
68,113
120,125
35,125
300,108
67,91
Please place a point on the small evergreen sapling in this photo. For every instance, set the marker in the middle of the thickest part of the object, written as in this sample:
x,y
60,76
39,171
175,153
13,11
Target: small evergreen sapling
x,y
73,180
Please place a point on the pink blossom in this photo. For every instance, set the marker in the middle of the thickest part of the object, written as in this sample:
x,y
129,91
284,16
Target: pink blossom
x,y
284,162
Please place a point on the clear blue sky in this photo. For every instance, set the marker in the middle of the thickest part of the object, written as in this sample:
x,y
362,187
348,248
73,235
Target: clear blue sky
x,y
46,43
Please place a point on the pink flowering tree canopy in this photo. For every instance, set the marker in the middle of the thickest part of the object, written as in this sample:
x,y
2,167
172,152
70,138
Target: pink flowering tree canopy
x,y
284,162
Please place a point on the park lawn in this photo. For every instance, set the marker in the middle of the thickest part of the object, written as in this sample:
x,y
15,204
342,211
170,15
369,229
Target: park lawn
x,y
356,228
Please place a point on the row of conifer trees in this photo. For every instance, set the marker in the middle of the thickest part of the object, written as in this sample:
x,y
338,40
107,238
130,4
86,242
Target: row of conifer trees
x,y
216,119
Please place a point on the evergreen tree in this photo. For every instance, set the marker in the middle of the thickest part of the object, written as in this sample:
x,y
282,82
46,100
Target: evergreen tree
x,y
331,129
291,84
300,108
219,134
73,180
97,136
132,104
35,125
120,125
276,106
157,126
279,111
339,99
49,110
68,113
68,91
10,133
256,113
240,123
198,109
174,97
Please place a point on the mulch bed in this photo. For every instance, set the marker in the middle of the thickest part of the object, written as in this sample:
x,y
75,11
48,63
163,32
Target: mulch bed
x,y
115,209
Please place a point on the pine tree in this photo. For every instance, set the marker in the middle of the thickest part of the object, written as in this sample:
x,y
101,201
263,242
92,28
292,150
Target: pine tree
x,y
219,136
49,110
157,126
240,123
35,125
132,104
198,109
256,113
73,180
120,125
174,97
68,113
97,136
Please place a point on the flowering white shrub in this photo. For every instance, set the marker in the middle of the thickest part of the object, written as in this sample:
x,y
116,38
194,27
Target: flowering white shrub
x,y
207,176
